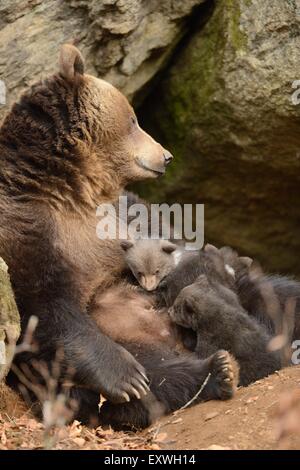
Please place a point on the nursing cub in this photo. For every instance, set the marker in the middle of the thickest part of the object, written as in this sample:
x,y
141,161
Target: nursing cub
x,y
196,312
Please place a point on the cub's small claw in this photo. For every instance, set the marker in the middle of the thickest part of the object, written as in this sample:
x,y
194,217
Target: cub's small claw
x,y
225,374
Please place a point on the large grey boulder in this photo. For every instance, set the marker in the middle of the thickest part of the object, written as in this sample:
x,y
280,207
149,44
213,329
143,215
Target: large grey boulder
x,y
227,108
124,41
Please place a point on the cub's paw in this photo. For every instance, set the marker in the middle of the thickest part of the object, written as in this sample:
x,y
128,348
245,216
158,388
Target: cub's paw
x,y
224,375
125,379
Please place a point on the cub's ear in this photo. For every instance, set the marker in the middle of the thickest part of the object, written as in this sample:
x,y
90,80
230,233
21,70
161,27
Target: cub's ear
x,y
126,245
188,305
211,249
168,247
71,63
246,261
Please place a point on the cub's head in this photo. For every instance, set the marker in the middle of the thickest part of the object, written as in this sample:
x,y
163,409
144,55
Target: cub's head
x,y
111,123
150,261
204,298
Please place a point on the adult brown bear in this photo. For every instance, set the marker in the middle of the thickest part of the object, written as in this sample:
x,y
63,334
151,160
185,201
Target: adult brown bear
x,y
69,144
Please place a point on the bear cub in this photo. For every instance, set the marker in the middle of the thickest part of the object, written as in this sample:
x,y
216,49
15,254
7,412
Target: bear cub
x,y
150,260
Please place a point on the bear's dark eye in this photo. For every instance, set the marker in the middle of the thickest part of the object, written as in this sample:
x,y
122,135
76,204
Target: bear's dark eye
x,y
133,120
157,271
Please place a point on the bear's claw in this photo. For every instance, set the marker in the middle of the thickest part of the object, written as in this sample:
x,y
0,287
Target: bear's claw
x,y
224,370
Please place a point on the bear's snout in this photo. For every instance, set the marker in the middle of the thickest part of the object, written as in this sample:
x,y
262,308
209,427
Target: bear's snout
x,y
168,157
149,154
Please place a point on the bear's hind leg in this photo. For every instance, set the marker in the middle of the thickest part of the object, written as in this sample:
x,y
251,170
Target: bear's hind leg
x,y
174,383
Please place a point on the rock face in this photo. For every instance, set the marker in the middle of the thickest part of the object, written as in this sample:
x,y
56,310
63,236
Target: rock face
x,y
9,321
227,109
123,41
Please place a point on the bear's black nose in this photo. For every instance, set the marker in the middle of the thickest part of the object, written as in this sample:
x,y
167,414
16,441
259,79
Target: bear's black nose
x,y
168,157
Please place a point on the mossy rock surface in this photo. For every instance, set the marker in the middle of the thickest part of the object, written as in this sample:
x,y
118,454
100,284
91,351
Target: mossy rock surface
x,y
225,110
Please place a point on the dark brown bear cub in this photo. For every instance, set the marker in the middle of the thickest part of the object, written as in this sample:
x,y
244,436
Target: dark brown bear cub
x,y
129,317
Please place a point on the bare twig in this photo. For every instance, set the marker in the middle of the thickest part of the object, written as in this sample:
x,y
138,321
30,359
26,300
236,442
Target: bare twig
x,y
197,394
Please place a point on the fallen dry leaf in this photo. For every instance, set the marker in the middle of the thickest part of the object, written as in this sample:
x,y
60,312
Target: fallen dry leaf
x,y
3,438
79,441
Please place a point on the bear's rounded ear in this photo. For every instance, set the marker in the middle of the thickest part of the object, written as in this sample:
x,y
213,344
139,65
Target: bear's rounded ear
x,y
246,261
168,247
71,63
126,245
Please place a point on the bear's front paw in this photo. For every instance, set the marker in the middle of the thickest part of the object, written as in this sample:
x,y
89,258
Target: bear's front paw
x,y
125,379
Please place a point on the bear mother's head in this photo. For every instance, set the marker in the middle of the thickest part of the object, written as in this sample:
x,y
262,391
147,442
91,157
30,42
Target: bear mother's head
x,y
74,136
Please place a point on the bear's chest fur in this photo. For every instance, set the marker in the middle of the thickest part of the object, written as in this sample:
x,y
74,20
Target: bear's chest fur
x,y
95,262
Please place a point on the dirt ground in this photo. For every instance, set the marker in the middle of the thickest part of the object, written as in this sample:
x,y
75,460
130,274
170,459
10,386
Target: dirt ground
x,y
265,415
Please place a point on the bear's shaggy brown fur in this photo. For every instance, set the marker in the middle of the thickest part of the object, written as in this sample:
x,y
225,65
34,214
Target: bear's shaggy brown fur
x,y
70,143
127,315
